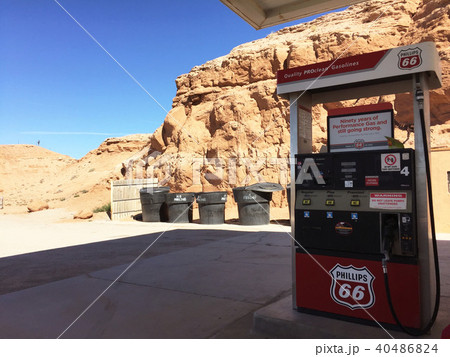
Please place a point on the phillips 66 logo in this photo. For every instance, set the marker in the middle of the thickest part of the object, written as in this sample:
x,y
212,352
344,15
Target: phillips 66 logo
x,y
352,287
410,58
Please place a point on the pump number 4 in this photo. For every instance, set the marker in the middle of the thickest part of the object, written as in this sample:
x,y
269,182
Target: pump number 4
x,y
405,171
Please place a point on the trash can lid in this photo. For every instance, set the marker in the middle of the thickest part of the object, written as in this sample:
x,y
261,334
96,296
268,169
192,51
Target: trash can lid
x,y
155,189
265,187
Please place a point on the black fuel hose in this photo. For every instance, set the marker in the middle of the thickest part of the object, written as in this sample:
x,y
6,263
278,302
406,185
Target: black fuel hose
x,y
429,325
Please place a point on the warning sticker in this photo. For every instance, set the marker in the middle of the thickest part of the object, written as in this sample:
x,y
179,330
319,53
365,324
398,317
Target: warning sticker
x,y
391,201
390,162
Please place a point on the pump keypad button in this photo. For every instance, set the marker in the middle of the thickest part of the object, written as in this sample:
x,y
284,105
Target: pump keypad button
x,y
329,203
355,203
306,202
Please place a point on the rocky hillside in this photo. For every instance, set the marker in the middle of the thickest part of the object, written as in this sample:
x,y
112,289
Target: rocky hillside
x,y
29,172
24,168
227,111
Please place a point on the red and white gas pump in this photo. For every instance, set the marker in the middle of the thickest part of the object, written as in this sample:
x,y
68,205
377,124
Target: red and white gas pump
x,y
362,216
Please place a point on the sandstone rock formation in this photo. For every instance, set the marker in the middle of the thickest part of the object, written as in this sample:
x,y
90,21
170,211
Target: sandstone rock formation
x,y
228,127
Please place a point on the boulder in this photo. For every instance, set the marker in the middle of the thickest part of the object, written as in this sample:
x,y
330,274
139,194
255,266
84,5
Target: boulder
x,y
35,206
84,214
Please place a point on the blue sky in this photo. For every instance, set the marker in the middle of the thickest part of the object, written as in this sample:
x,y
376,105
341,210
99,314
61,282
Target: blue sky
x,y
58,86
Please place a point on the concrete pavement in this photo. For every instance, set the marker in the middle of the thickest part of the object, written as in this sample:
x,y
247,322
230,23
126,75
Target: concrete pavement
x,y
194,281
195,291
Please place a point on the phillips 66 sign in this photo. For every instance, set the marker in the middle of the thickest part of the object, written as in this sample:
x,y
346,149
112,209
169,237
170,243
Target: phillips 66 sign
x,y
352,287
410,58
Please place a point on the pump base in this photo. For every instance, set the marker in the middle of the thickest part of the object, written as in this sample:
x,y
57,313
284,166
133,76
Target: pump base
x,y
281,320
338,286
354,320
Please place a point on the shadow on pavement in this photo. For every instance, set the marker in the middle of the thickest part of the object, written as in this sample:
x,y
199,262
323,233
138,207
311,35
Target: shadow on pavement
x,y
28,270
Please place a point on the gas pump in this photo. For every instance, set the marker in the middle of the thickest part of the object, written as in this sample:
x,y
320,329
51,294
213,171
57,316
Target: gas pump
x,y
363,221
348,211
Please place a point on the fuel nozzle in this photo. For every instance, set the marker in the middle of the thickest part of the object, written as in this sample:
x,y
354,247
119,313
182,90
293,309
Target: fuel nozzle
x,y
389,233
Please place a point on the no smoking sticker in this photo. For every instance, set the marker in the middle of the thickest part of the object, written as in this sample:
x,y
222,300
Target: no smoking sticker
x,y
390,162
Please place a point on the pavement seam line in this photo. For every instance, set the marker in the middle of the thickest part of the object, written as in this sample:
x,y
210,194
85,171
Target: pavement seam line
x,y
184,292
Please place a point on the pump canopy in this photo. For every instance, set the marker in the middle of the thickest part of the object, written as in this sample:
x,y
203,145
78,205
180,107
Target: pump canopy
x,y
265,13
